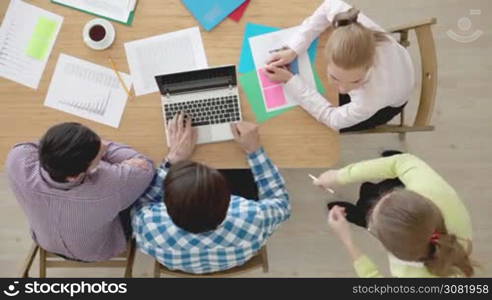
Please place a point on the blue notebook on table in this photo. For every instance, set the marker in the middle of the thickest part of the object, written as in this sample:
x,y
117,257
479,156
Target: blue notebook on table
x,y
210,13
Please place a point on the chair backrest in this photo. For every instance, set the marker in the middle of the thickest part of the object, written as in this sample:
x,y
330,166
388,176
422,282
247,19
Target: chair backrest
x,y
260,260
428,58
50,260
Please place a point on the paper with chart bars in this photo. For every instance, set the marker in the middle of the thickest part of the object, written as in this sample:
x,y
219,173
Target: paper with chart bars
x,y
87,90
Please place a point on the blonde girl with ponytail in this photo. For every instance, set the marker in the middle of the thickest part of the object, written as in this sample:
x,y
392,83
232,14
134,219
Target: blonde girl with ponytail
x,y
374,75
424,226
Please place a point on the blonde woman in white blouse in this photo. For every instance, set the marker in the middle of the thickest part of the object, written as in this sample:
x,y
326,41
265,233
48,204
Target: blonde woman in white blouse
x,y
372,72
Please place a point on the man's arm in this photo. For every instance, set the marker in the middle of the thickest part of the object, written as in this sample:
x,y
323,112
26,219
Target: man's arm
x,y
131,170
118,153
128,182
274,199
273,196
19,160
182,144
155,190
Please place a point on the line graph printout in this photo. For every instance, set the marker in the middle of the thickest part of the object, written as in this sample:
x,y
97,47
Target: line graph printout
x,y
167,53
87,90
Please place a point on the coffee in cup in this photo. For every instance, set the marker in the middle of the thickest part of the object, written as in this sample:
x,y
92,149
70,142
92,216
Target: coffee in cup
x,y
98,34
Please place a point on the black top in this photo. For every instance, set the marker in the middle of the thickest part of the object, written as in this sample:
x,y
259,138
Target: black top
x,y
210,78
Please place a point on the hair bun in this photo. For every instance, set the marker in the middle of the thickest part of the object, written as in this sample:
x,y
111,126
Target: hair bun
x,y
346,18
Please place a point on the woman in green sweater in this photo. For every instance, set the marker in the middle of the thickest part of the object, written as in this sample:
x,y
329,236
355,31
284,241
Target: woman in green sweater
x,y
425,226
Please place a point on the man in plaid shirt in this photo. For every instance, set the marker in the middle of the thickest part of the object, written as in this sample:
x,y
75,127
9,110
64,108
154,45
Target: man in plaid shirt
x,y
188,220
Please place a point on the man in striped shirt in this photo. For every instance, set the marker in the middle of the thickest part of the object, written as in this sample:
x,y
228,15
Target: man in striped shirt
x,y
189,221
73,186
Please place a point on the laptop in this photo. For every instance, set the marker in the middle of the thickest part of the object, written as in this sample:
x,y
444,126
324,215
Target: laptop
x,y
209,96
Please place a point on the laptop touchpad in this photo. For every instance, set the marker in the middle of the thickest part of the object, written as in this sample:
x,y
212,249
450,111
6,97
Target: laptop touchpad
x,y
204,134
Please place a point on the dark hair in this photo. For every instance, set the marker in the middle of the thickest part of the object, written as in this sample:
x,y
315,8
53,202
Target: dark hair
x,y
197,197
67,149
346,18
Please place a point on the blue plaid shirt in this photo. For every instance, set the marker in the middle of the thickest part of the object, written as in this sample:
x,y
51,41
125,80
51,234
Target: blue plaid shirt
x,y
244,231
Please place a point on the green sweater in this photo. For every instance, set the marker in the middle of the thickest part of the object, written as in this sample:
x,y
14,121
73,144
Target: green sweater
x,y
419,178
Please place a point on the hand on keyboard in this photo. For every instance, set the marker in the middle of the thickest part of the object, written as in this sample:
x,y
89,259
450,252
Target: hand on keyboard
x,y
208,111
182,138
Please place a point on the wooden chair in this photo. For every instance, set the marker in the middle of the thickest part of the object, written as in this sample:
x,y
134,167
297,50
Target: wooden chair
x,y
428,58
257,261
51,260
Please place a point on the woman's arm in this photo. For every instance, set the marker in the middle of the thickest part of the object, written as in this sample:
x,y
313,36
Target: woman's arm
x,y
318,22
310,29
362,264
322,110
415,174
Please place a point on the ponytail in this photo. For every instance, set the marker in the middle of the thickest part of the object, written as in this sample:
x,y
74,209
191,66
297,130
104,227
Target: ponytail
x,y
448,257
412,228
346,18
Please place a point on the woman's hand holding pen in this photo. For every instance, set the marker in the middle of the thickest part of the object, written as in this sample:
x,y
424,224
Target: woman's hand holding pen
x,y
328,180
278,74
282,58
276,69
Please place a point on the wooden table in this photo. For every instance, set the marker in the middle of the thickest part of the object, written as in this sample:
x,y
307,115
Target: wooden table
x,y
293,140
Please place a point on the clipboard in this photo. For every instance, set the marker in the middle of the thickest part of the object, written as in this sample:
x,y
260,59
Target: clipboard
x,y
129,22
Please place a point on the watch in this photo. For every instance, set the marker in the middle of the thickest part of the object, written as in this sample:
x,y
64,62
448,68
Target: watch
x,y
167,163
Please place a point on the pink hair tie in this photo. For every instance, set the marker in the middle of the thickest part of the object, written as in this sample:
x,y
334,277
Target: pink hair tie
x,y
435,237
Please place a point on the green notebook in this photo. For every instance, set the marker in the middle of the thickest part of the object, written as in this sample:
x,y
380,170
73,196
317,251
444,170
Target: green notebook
x,y
128,22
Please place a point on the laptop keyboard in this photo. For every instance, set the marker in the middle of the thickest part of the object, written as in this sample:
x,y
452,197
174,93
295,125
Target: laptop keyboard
x,y
207,111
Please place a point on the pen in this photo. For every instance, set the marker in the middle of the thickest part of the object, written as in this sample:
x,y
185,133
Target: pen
x,y
113,66
278,50
316,179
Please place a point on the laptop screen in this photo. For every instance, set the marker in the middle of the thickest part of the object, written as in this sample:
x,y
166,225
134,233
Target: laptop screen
x,y
190,81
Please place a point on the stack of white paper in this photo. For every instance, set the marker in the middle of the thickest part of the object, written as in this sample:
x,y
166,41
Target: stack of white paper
x,y
88,90
15,34
118,10
168,53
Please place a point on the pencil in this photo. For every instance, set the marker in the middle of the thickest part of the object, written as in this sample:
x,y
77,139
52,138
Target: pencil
x,y
113,66
316,179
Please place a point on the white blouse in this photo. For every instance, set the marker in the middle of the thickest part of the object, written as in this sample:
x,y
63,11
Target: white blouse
x,y
390,82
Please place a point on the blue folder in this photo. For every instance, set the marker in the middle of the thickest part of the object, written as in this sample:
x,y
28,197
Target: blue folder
x,y
246,62
210,13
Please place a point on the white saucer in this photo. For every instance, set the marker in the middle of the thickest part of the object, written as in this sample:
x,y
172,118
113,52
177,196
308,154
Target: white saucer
x,y
104,43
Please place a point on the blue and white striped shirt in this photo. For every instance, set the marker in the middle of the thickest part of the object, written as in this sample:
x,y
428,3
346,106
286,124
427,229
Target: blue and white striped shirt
x,y
244,231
